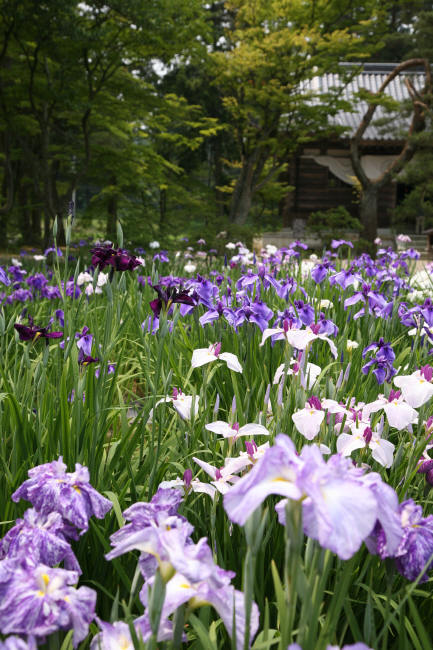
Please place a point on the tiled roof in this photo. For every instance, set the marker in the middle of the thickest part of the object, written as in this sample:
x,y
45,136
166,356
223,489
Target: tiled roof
x,y
385,125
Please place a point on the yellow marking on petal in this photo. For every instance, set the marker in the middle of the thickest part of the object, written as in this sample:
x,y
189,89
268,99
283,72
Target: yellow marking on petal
x,y
77,489
37,335
311,412
66,598
280,478
185,585
40,593
45,578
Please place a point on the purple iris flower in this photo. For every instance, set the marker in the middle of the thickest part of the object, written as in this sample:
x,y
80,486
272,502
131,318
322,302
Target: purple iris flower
x,y
305,312
345,277
336,243
17,273
84,341
256,312
162,256
40,537
382,361
111,369
39,600
16,643
19,295
320,272
261,277
426,466
289,316
220,310
407,316
51,489
3,277
54,250
37,281
426,312
383,370
340,505
60,315
373,299
206,292
32,333
287,287
417,546
72,289
411,253
298,244
50,292
327,326
384,351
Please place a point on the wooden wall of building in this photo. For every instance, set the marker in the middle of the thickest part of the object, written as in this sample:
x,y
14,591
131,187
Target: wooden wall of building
x,y
316,188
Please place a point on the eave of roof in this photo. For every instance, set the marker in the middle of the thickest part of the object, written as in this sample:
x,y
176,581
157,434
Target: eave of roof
x,y
371,78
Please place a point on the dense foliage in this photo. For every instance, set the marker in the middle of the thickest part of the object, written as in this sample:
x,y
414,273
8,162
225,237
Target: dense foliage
x,y
171,116
197,401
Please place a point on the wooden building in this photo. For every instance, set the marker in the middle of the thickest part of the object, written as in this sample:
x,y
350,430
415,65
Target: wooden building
x,y
321,172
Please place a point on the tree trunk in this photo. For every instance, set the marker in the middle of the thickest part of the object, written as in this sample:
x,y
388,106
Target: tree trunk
x,y
24,211
368,212
162,208
3,217
219,180
35,232
242,197
111,213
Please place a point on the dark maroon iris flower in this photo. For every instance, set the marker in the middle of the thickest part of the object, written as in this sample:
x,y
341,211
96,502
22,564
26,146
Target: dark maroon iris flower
x,y
168,296
119,259
85,359
32,333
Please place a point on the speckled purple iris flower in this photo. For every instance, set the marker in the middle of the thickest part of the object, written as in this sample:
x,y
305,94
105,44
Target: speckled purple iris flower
x,y
50,488
41,537
416,549
39,600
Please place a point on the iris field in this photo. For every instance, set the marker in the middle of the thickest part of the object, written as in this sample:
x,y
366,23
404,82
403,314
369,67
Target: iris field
x,y
213,451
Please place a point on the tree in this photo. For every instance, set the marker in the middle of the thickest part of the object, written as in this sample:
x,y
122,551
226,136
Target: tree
x,y
369,188
418,174
71,76
275,48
